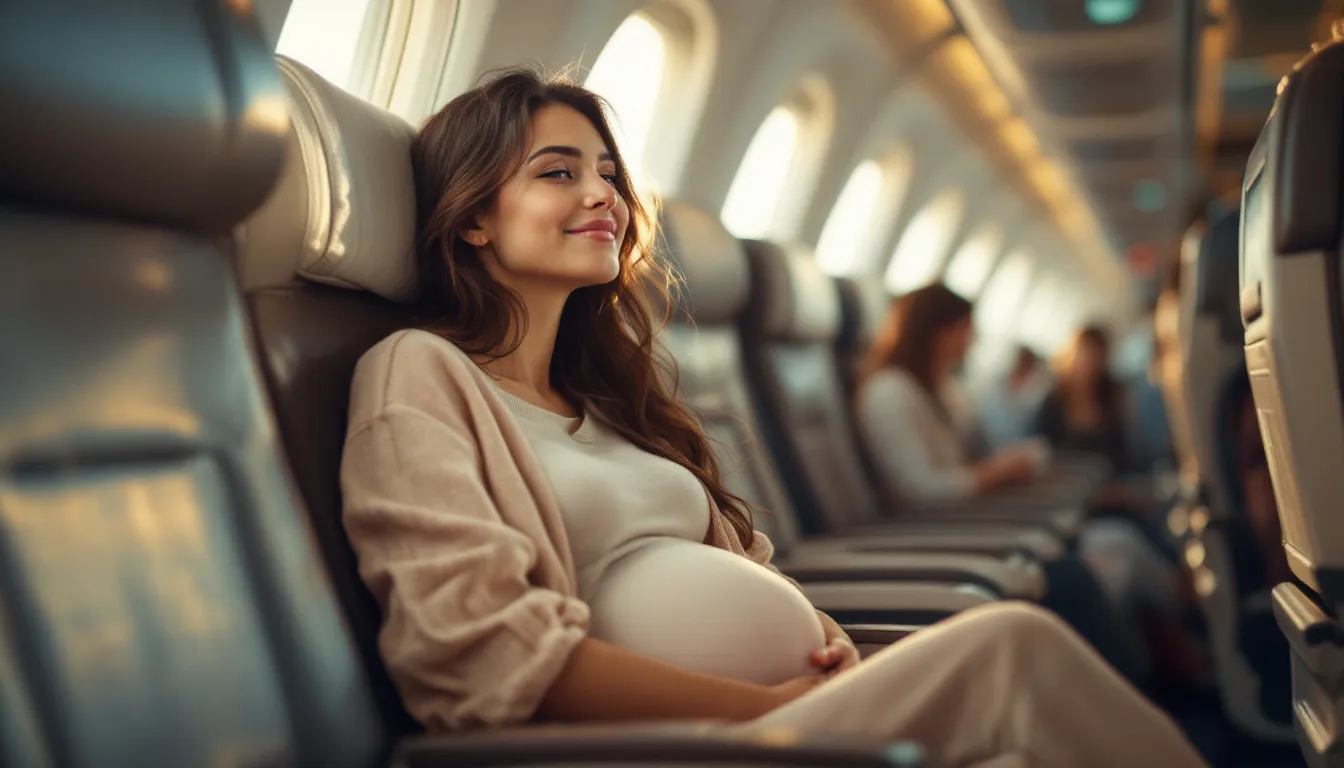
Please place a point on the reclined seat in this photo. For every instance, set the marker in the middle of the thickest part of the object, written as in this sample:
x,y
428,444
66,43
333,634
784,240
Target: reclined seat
x,y
704,344
165,601
788,329
1217,540
1290,301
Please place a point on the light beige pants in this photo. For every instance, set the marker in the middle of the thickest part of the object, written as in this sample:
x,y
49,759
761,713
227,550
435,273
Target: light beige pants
x,y
1005,685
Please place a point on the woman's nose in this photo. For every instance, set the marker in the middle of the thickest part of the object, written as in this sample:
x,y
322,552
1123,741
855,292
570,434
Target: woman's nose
x,y
600,194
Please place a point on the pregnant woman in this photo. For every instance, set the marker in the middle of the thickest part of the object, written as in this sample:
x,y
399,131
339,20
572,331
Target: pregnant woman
x,y
548,534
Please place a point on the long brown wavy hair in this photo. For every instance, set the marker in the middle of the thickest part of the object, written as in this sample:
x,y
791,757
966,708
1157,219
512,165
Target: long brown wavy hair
x,y
909,331
605,358
1107,390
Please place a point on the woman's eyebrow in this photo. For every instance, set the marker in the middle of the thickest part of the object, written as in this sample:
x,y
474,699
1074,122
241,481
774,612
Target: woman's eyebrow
x,y
567,151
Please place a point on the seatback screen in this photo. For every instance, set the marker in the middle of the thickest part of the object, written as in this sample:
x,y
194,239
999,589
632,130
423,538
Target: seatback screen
x,y
1254,235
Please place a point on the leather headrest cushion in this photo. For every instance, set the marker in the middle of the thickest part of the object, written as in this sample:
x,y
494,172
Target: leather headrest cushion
x,y
791,298
1217,289
710,261
343,212
165,112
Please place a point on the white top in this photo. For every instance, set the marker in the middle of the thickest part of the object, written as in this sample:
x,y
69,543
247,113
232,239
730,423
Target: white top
x,y
636,525
917,452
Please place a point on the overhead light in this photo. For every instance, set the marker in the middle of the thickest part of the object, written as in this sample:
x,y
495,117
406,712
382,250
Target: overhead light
x,y
1107,12
1020,139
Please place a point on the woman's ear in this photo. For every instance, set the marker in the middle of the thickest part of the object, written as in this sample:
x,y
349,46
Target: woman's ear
x,y
474,234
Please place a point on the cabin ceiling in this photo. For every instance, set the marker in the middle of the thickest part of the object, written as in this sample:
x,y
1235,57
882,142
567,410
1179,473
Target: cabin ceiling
x,y
1146,121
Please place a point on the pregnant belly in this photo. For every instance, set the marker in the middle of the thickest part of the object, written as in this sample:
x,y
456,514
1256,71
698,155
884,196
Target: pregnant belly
x,y
708,610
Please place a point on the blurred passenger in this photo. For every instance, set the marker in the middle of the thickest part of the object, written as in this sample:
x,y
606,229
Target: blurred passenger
x,y
1008,411
903,404
549,536
1086,412
906,428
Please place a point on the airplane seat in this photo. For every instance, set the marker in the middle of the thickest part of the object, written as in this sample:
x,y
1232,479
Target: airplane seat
x,y
1218,544
703,341
164,603
1291,309
788,328
327,271
341,212
862,303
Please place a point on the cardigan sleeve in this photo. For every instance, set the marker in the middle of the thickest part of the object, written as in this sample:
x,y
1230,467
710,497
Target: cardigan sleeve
x,y
468,635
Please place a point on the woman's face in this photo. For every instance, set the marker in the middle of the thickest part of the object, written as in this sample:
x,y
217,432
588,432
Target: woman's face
x,y
559,222
1088,362
954,343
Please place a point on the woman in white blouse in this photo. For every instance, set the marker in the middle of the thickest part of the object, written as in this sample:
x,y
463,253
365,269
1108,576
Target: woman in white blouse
x,y
907,415
904,397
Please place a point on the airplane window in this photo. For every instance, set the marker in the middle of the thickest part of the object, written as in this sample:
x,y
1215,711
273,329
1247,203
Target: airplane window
x,y
839,251
1003,295
919,255
324,36
759,184
629,74
970,266
1044,323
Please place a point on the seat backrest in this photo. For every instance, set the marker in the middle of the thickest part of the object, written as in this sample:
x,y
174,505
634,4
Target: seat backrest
x,y
862,304
1290,303
164,602
704,343
862,307
341,216
788,330
1213,360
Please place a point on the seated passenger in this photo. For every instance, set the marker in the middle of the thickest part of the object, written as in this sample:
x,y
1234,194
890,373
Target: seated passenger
x,y
903,399
904,421
1086,410
544,524
1009,409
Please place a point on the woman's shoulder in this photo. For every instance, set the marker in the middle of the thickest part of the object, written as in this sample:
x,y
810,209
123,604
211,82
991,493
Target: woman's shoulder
x,y
410,367
893,380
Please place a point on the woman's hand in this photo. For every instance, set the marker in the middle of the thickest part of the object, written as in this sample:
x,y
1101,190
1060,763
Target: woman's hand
x,y
839,653
785,692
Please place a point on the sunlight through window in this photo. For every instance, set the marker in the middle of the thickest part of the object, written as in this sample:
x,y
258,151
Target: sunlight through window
x,y
629,75
323,35
840,249
919,255
1043,316
759,184
995,310
967,272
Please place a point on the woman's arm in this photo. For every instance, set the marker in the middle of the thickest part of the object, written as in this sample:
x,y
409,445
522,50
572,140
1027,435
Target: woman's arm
x,y
896,431
605,683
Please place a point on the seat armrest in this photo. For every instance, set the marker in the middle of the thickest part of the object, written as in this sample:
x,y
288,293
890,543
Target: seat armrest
x,y
931,536
1014,577
879,602
655,744
879,634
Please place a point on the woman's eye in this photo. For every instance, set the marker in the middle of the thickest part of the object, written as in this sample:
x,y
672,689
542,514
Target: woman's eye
x,y
610,177
558,173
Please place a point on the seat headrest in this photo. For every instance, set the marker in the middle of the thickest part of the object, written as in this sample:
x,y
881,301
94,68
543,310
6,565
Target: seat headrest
x,y
863,304
343,211
1300,150
164,112
710,261
1216,275
791,298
